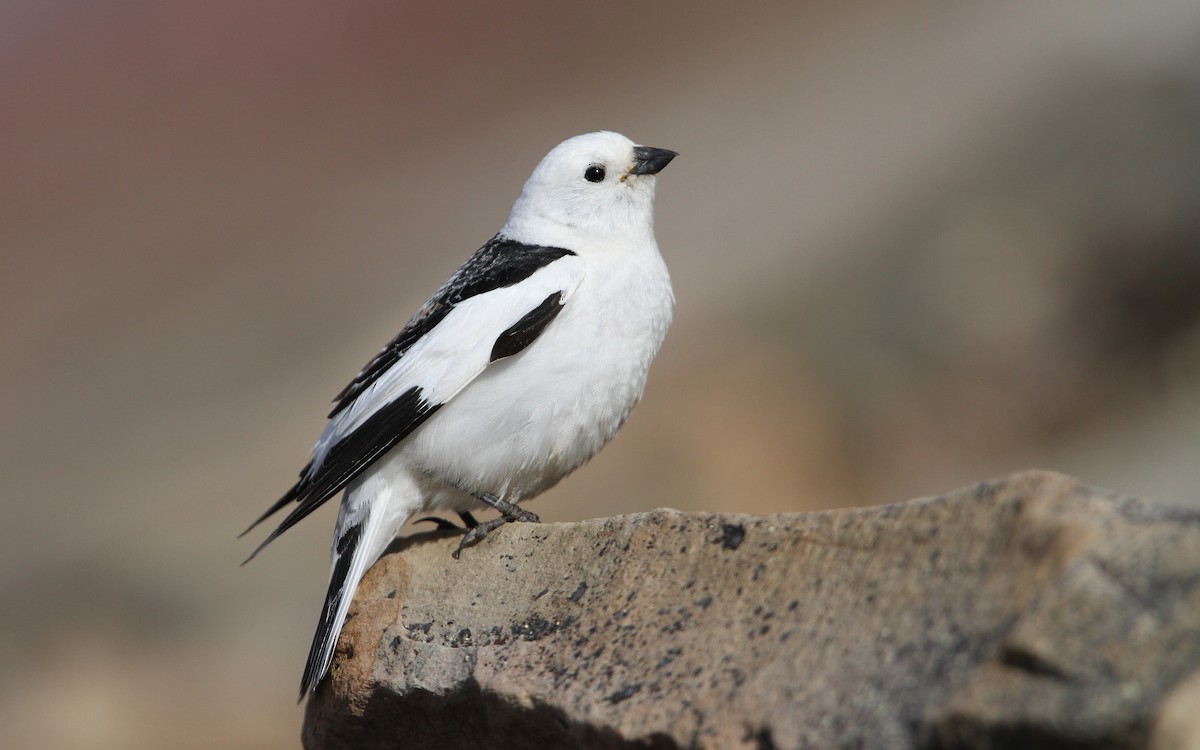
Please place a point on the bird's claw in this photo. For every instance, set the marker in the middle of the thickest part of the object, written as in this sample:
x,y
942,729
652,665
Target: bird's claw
x,y
481,530
441,523
468,520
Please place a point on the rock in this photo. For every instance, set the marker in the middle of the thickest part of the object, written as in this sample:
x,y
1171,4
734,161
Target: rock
x,y
1031,611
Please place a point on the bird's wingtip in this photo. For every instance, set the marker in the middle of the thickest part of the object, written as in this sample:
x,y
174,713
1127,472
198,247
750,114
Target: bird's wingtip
x,y
289,496
270,538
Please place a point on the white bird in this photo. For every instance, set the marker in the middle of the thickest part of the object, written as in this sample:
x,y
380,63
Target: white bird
x,y
517,370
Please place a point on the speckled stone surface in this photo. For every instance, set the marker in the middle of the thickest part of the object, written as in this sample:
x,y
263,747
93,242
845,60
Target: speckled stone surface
x,y
1023,612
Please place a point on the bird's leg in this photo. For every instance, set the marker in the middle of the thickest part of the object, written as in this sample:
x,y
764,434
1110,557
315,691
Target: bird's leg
x,y
508,512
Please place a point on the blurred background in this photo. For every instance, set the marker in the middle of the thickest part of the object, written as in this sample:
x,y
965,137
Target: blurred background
x,y
914,246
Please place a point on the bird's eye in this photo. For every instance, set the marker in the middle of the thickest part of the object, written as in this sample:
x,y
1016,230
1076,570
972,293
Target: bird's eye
x,y
594,173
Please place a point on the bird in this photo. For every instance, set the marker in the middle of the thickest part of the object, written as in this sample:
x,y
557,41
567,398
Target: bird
x,y
517,370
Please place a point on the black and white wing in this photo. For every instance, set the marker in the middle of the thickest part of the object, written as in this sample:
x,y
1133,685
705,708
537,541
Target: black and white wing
x,y
497,304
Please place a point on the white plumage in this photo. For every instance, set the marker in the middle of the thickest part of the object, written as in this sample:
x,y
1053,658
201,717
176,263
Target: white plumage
x,y
517,371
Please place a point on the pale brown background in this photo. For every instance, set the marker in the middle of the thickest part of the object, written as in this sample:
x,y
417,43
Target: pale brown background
x,y
914,245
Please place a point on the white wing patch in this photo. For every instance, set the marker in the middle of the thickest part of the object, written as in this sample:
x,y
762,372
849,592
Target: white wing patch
x,y
456,350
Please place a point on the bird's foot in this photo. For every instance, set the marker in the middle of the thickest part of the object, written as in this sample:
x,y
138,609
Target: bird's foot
x,y
477,533
509,512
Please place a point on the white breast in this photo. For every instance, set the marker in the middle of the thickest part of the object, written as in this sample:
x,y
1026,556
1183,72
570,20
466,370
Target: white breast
x,y
529,420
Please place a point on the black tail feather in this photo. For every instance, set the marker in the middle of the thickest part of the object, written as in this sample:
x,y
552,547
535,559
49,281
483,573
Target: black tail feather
x,y
320,655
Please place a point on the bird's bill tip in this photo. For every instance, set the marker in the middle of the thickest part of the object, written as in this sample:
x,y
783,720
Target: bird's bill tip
x,y
650,160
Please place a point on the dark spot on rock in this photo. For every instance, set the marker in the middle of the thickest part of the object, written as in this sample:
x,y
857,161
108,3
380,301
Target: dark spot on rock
x,y
1026,660
758,570
396,643
625,693
763,740
391,594
703,603
793,604
579,592
670,656
421,626
732,535
537,627
540,594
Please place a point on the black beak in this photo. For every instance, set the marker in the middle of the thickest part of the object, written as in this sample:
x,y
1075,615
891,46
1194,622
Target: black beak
x,y
647,160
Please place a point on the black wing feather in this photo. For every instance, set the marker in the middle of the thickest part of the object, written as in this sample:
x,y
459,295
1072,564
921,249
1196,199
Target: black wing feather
x,y
523,333
350,456
499,263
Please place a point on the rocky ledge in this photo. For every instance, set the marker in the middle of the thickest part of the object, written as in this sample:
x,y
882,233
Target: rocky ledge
x,y
1031,611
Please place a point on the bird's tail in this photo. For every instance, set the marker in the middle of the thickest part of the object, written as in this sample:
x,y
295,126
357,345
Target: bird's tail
x,y
362,534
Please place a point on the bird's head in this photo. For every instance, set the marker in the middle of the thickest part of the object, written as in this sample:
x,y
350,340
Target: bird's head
x,y
598,185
